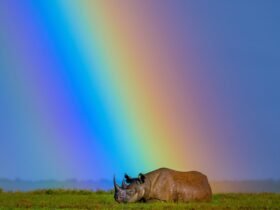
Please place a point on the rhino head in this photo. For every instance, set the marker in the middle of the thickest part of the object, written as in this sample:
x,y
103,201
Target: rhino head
x,y
131,192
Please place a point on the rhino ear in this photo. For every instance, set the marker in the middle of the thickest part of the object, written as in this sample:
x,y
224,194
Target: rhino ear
x,y
128,179
142,178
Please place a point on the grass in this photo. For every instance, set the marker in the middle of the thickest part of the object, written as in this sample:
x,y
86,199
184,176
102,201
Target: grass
x,y
83,199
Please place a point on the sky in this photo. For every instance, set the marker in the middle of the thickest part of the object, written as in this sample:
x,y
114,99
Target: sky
x,y
90,89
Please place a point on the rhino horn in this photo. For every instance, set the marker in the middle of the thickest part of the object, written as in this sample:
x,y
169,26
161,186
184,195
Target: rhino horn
x,y
117,187
124,185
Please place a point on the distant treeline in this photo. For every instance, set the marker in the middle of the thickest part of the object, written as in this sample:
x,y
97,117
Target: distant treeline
x,y
23,185
217,186
246,186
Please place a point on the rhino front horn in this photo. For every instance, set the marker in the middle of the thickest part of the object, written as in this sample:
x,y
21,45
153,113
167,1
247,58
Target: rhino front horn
x,y
117,187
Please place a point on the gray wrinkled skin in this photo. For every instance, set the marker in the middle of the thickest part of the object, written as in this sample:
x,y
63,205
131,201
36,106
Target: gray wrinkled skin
x,y
164,185
130,193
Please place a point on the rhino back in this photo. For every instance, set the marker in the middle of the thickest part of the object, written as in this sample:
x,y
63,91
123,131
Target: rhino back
x,y
169,185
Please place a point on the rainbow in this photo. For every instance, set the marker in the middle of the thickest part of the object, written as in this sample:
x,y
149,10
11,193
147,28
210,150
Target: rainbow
x,y
96,88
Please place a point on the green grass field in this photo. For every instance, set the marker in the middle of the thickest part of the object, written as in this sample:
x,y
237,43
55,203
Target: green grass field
x,y
81,199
